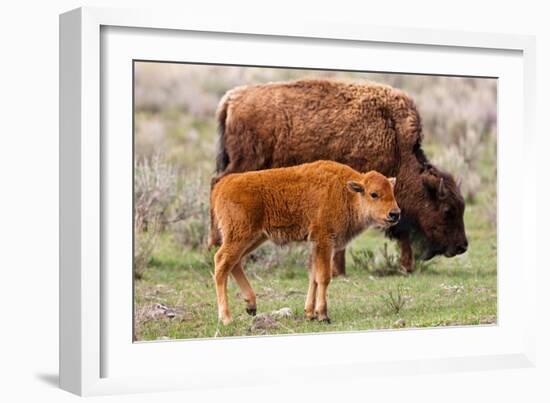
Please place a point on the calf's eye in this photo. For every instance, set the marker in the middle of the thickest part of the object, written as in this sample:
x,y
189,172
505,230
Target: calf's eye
x,y
374,195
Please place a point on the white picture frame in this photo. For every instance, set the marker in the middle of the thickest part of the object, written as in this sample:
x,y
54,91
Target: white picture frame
x,y
93,343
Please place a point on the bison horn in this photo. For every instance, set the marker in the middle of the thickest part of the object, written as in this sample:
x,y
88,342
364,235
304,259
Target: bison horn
x,y
458,183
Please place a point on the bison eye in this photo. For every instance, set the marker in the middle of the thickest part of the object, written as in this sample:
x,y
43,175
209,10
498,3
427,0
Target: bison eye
x,y
374,195
448,212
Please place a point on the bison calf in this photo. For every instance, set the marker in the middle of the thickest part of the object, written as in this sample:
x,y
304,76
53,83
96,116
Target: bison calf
x,y
325,203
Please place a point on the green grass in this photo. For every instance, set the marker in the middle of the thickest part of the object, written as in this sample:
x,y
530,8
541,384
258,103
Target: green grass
x,y
457,291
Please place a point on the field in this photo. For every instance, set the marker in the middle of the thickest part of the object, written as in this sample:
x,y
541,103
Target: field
x,y
175,148
458,291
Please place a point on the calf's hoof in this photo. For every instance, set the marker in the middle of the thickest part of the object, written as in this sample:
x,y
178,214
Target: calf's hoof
x,y
323,317
310,315
226,320
251,311
326,320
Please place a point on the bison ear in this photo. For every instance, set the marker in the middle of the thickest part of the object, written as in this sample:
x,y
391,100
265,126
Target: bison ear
x,y
430,183
441,191
356,187
436,186
392,182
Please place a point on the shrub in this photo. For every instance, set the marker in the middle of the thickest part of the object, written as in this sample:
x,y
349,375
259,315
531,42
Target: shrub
x,y
490,206
150,134
206,260
386,264
154,190
271,256
144,245
451,107
171,87
191,223
394,301
191,232
192,197
462,160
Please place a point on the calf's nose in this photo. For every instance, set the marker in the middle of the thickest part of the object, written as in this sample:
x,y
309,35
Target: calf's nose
x,y
394,215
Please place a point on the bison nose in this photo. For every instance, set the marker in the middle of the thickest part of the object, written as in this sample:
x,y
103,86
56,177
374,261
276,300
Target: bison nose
x,y
394,215
462,248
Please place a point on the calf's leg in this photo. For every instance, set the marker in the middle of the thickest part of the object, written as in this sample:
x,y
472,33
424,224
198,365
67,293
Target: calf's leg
x,y
309,308
246,290
322,266
225,260
240,277
338,262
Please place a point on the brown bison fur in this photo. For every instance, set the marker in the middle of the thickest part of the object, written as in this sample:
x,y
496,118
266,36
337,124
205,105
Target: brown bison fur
x,y
366,126
325,203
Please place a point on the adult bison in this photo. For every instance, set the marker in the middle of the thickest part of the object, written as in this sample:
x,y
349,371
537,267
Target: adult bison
x,y
366,126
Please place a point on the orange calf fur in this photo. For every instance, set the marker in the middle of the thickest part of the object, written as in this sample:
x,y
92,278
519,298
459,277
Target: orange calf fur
x,y
324,202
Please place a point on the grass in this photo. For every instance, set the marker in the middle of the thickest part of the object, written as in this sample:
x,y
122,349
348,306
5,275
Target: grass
x,y
443,292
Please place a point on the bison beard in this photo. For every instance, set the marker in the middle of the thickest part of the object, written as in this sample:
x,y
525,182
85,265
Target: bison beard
x,y
366,126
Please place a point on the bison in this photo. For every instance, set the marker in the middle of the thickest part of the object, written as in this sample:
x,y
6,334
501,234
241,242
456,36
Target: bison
x,y
365,126
324,202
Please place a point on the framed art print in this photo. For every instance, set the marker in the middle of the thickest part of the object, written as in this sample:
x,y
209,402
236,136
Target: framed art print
x,y
247,199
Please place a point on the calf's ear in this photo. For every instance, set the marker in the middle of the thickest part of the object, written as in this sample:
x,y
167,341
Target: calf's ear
x,y
392,182
356,187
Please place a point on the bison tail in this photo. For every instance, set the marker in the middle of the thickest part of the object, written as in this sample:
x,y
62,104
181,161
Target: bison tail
x,y
222,159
